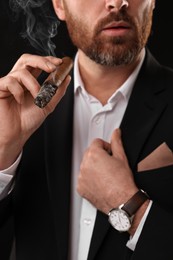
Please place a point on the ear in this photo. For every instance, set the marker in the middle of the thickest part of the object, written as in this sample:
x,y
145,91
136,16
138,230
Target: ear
x,y
59,9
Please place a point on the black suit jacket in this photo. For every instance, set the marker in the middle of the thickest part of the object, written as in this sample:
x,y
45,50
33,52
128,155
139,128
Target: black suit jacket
x,y
40,201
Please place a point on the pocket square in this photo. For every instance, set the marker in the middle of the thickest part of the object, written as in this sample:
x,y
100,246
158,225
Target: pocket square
x,y
162,156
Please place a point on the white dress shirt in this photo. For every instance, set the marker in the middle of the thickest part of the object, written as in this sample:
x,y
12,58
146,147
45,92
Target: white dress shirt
x,y
91,120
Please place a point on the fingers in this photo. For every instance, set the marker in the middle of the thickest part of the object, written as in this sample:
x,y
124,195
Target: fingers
x,y
23,76
10,86
28,61
103,144
115,147
98,145
16,83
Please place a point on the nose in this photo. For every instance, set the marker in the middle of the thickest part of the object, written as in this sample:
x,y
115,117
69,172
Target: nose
x,y
116,4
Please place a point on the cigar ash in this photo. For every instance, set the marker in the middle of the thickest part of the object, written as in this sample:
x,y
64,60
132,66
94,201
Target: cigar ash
x,y
52,83
45,94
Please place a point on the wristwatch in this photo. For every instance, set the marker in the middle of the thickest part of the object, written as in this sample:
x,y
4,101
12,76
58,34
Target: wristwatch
x,y
121,218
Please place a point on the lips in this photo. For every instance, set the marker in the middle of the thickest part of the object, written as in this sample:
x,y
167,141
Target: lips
x,y
116,29
117,25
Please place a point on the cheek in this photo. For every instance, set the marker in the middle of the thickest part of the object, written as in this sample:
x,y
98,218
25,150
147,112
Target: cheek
x,y
144,8
88,12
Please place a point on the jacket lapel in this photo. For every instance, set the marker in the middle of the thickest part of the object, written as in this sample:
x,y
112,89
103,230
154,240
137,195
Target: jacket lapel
x,y
144,109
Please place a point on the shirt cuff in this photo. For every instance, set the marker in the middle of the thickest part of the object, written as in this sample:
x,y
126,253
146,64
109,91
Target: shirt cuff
x,y
7,174
131,244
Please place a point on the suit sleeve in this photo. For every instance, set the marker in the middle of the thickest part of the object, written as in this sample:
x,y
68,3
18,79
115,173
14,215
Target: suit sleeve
x,y
155,241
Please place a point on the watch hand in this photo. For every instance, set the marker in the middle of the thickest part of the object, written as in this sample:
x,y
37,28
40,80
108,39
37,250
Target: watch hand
x,y
119,218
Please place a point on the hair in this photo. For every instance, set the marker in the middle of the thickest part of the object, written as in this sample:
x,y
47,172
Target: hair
x,y
40,24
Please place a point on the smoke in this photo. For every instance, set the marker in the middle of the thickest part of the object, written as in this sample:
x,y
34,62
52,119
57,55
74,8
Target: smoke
x,y
41,23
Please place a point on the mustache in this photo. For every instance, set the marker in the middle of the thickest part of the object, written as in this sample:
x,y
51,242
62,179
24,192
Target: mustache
x,y
122,15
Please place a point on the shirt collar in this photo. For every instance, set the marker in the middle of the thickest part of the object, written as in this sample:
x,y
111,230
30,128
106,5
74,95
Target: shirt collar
x,y
125,90
78,83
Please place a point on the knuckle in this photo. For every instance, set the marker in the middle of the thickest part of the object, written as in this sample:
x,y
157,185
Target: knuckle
x,y
24,56
8,79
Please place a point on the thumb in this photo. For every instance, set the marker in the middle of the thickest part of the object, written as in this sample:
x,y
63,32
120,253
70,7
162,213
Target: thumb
x,y
58,95
116,144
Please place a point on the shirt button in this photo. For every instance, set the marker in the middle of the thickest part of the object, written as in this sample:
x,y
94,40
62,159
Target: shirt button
x,y
98,120
87,221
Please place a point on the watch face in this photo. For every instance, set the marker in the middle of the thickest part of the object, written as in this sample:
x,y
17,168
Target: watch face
x,y
119,219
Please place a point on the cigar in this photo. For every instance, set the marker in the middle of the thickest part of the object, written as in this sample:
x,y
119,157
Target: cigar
x,y
53,81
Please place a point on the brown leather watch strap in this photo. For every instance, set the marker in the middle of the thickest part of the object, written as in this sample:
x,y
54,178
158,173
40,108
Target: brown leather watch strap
x,y
135,202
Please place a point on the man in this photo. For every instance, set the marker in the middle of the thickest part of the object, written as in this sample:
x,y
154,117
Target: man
x,y
93,180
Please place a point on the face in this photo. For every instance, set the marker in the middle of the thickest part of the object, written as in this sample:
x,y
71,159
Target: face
x,y
110,32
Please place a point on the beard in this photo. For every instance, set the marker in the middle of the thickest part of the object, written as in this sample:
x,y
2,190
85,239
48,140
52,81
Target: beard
x,y
110,50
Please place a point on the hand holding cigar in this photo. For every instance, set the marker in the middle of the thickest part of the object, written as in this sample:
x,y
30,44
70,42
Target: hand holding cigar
x,y
54,80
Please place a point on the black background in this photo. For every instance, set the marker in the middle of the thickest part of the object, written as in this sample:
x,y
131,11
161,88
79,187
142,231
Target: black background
x,y
12,45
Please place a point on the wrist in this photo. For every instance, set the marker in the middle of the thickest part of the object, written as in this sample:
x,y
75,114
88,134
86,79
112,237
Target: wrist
x,y
121,218
8,156
137,217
